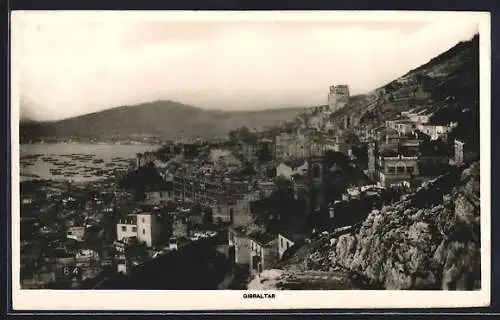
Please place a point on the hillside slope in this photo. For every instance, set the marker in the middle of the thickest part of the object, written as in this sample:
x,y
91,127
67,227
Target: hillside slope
x,y
164,119
450,83
428,240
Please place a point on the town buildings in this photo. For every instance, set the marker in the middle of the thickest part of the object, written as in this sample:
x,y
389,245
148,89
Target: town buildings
x,y
247,148
180,227
289,168
399,158
290,146
462,153
287,240
158,197
76,233
263,252
239,246
396,169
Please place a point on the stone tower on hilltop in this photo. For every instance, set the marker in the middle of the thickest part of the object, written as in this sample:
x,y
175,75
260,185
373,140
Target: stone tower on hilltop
x,y
338,97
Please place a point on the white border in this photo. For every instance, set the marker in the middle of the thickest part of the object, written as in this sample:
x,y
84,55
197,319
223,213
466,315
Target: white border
x,y
233,300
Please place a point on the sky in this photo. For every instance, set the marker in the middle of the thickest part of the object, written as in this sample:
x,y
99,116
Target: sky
x,y
72,64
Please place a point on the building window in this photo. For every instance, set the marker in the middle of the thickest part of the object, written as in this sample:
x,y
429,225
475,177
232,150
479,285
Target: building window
x,y
409,169
400,169
143,231
390,169
124,228
281,241
134,229
143,220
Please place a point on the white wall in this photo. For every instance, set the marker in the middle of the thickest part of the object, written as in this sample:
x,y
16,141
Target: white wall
x,y
283,245
127,232
284,170
76,232
147,230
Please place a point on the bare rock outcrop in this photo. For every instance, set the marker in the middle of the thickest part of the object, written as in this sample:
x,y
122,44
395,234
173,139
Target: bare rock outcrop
x,y
430,240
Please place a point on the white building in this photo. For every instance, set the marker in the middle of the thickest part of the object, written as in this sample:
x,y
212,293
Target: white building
x,y
288,169
283,245
143,226
421,117
76,233
436,132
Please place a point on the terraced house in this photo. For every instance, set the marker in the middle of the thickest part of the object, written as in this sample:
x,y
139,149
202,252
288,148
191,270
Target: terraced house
x,y
263,252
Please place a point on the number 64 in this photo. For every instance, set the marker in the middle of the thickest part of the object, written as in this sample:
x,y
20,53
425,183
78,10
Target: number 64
x,y
67,271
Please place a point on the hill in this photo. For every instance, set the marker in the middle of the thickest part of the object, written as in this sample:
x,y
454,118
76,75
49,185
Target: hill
x,y
429,240
163,119
447,86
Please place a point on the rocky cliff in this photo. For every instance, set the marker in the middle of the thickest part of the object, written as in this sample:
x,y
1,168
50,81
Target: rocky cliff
x,y
427,240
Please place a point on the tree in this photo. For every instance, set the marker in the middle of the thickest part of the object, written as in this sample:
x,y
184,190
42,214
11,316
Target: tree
x,y
208,216
248,169
242,133
282,182
264,154
335,157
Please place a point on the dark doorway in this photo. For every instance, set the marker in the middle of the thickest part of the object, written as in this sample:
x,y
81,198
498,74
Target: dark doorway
x,y
232,253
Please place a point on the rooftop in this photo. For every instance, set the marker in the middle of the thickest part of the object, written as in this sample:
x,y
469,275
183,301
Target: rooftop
x,y
295,236
129,219
237,229
262,238
295,163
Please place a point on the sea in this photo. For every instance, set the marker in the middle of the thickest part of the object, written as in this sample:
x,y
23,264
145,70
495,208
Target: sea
x,y
77,162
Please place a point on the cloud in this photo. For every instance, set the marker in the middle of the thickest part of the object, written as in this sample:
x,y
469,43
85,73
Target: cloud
x,y
74,66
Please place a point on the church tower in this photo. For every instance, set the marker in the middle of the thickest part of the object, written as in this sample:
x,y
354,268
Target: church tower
x,y
316,191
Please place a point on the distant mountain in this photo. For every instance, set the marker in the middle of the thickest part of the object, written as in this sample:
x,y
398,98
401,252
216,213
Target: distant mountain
x,y
451,80
163,119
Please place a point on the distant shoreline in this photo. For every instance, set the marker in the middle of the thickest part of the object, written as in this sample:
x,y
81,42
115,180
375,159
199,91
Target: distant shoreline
x,y
118,143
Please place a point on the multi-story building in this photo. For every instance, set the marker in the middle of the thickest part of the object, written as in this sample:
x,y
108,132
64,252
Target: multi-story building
x,y
239,246
402,126
436,132
248,149
143,226
159,197
126,228
263,252
286,146
396,169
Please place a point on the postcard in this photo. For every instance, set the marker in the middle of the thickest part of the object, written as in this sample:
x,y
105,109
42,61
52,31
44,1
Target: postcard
x,y
239,161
